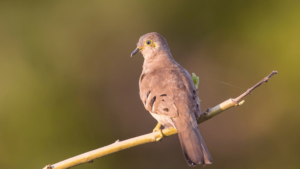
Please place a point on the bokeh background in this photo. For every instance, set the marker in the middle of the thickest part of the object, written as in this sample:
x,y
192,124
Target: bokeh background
x,y
68,84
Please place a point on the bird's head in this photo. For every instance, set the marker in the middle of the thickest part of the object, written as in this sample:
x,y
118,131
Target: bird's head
x,y
151,44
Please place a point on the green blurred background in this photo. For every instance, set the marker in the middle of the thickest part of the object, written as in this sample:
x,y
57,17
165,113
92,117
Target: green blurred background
x,y
68,84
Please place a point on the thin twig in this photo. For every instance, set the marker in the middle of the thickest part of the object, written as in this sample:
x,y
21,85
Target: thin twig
x,y
255,86
151,137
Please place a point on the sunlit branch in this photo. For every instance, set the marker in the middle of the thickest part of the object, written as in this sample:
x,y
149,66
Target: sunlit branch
x,y
151,137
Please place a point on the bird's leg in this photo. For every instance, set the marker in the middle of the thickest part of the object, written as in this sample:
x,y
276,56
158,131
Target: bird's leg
x,y
158,129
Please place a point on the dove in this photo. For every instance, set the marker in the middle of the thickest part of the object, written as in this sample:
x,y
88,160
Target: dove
x,y
169,94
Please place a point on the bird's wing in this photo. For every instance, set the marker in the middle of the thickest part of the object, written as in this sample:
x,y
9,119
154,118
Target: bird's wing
x,y
190,91
157,94
162,88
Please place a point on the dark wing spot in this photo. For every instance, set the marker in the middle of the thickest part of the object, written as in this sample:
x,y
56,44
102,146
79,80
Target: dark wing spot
x,y
197,105
166,109
152,101
194,91
142,77
148,93
163,95
194,98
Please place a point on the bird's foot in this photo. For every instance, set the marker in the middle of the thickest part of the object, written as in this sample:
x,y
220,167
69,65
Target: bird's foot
x,y
158,129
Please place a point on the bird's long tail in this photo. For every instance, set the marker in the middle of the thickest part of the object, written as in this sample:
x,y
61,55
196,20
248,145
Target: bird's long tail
x,y
192,144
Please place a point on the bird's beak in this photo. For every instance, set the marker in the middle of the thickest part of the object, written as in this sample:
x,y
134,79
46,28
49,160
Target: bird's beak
x,y
136,51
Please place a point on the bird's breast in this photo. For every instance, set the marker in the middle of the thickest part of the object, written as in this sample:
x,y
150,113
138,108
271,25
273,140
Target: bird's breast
x,y
164,120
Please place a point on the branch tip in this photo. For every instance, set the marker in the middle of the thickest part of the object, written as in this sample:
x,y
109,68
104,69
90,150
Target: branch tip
x,y
248,92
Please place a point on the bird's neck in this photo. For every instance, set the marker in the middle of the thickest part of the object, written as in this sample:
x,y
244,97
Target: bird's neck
x,y
163,60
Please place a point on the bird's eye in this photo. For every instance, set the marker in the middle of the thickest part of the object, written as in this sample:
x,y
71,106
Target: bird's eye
x,y
148,42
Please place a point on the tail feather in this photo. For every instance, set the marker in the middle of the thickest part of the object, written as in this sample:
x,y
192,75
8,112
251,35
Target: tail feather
x,y
193,146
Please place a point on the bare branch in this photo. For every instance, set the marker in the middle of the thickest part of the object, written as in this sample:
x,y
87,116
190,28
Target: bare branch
x,y
255,86
151,137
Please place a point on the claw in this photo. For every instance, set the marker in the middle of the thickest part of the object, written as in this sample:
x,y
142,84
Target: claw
x,y
157,129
